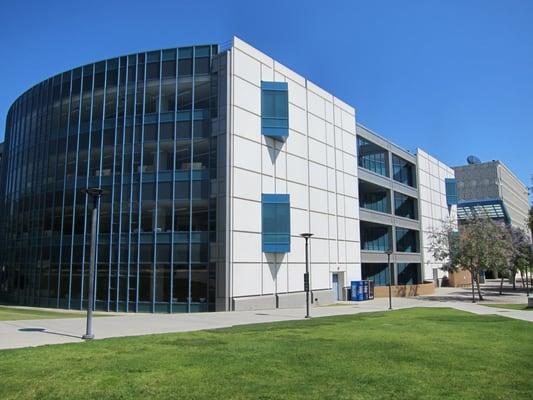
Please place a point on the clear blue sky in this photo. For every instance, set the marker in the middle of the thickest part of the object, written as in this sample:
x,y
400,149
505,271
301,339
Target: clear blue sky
x,y
453,77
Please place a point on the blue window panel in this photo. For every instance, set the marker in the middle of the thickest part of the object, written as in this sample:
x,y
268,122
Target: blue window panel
x,y
451,191
275,109
276,223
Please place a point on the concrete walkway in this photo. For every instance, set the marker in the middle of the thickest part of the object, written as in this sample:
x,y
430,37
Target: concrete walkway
x,y
17,334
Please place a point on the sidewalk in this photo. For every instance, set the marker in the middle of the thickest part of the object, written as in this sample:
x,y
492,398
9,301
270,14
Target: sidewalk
x,y
17,334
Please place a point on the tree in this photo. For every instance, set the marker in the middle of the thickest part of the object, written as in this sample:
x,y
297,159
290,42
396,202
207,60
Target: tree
x,y
478,245
521,253
530,220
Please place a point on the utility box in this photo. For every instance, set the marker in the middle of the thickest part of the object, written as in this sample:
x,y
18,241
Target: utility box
x,y
362,290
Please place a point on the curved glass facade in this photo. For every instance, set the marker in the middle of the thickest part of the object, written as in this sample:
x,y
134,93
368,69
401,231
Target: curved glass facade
x,y
139,126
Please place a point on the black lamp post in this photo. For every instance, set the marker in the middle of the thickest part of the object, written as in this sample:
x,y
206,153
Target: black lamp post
x,y
306,236
95,193
389,252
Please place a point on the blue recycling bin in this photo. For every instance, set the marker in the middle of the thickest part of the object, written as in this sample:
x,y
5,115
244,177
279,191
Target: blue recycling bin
x,y
357,291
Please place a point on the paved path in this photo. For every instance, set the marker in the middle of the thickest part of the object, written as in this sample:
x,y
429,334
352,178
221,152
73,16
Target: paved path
x,y
16,334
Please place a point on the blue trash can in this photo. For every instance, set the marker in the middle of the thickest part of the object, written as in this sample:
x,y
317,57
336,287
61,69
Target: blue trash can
x,y
357,291
366,290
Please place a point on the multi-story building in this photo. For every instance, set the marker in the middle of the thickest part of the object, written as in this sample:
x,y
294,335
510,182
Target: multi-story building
x,y
490,189
212,164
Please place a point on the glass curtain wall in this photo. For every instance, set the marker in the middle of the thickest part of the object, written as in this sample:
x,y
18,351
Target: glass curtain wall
x,y
139,127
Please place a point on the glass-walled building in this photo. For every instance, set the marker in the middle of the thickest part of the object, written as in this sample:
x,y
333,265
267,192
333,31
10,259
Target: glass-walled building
x,y
138,126
212,164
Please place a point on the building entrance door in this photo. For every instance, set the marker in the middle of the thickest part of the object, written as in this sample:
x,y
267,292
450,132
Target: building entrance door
x,y
335,286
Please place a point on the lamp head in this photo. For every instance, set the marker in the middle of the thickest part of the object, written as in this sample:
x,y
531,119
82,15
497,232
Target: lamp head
x,y
389,252
94,192
306,235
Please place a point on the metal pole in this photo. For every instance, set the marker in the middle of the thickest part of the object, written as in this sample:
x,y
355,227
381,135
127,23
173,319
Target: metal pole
x,y
390,289
307,275
527,281
90,301
473,293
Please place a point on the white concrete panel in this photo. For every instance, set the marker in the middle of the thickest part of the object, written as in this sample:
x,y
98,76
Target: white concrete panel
x,y
297,119
246,48
332,182
342,251
330,134
248,215
340,205
350,185
246,247
297,254
246,124
270,271
267,73
318,175
342,228
317,128
320,276
296,277
297,144
246,154
267,157
281,165
246,279
268,184
246,67
348,122
297,94
319,91
246,184
316,105
296,169
299,222
333,250
282,69
299,195
337,116
339,159
352,228
247,96
317,151
350,164
319,250
332,221
348,142
318,200
352,252
281,186
319,225
329,111
330,155
351,205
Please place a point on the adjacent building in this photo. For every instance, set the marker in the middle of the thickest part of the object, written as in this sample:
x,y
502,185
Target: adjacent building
x,y
490,189
213,163
402,198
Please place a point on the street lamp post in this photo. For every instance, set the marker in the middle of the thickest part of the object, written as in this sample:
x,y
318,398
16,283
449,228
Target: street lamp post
x,y
95,193
306,236
389,252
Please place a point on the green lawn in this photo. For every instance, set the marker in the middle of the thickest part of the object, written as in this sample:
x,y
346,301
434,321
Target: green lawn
x,y
13,314
424,353
510,306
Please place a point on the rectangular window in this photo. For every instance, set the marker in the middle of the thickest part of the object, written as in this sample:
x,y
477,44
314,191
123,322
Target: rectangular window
x,y
276,227
405,206
372,157
406,240
275,109
403,171
451,191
